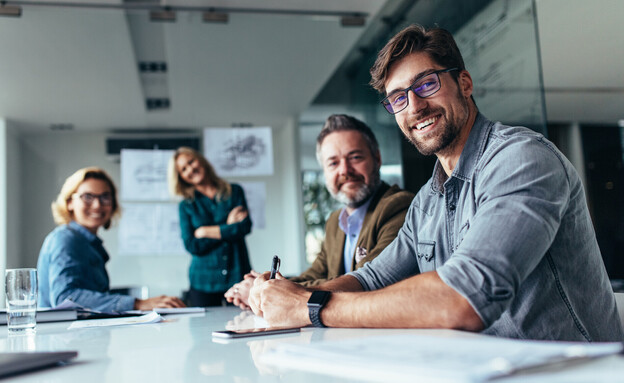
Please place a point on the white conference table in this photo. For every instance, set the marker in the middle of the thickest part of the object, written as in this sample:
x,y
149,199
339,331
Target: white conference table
x,y
182,349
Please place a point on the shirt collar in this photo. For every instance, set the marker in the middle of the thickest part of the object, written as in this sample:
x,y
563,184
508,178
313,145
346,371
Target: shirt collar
x,y
353,222
92,238
472,151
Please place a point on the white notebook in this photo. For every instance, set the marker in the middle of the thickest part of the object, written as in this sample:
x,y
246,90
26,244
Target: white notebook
x,y
410,357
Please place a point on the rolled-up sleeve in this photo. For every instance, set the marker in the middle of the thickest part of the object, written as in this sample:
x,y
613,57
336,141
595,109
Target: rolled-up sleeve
x,y
521,192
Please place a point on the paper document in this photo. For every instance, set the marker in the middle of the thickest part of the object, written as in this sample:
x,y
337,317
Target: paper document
x,y
152,317
408,357
170,310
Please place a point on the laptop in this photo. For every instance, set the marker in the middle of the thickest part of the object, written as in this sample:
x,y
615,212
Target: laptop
x,y
17,362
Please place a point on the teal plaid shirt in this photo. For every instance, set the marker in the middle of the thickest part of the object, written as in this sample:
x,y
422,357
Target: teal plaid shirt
x,y
217,263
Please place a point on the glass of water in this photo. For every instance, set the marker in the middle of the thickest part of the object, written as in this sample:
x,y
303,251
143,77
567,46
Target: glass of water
x,y
21,299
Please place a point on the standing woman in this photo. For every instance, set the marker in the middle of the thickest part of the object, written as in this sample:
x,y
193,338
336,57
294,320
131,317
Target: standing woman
x,y
214,222
72,259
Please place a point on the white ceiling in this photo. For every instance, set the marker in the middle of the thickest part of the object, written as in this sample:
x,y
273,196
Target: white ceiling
x,y
78,66
582,59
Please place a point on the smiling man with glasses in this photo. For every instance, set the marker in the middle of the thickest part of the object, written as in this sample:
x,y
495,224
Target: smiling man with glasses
x,y
499,240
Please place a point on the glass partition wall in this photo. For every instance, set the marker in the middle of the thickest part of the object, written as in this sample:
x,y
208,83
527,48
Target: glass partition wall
x,y
500,48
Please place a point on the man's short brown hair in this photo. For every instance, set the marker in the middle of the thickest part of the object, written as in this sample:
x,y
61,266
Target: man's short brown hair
x,y
341,123
437,42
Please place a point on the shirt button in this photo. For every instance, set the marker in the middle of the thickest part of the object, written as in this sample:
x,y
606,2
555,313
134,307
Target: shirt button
x,y
224,272
452,207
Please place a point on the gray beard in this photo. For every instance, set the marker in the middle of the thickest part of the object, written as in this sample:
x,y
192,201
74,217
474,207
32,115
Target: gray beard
x,y
361,195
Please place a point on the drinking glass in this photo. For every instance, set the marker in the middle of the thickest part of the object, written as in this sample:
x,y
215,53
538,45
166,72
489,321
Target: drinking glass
x,y
21,299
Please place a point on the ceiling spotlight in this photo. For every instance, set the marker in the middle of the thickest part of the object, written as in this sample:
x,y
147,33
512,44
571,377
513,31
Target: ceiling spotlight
x,y
165,15
216,17
352,21
10,10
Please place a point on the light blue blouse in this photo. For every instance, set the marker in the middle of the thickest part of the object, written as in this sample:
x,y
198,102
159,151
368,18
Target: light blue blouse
x,y
72,266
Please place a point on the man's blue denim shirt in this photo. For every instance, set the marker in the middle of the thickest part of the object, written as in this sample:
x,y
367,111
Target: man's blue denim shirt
x,y
511,232
72,266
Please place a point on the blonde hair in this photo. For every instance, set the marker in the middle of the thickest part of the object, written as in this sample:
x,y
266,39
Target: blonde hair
x,y
59,207
179,187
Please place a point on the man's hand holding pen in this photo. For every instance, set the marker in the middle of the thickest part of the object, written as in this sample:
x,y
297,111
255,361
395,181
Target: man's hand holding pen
x,y
281,302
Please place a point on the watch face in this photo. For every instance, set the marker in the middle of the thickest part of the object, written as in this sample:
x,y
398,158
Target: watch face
x,y
318,298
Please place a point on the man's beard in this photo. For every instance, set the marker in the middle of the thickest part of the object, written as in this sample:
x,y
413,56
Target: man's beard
x,y
449,132
361,195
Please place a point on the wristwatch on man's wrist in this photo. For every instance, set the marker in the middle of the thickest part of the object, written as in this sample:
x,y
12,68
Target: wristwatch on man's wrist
x,y
315,305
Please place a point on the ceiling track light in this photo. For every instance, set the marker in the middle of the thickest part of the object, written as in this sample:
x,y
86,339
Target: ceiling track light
x,y
352,21
167,13
10,10
164,15
216,17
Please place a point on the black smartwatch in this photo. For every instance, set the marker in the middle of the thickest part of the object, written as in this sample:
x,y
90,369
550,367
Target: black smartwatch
x,y
315,305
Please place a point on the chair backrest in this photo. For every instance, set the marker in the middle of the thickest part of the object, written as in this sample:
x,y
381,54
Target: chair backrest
x,y
619,299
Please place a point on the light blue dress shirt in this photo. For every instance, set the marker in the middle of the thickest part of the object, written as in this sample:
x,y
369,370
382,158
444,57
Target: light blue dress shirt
x,y
510,231
351,225
71,266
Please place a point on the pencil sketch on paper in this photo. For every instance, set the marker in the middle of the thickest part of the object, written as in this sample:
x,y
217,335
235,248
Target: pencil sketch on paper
x,y
255,194
150,173
239,151
144,174
150,229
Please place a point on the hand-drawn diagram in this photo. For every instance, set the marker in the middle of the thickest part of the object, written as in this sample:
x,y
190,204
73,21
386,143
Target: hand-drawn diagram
x,y
239,151
150,229
255,194
500,51
144,175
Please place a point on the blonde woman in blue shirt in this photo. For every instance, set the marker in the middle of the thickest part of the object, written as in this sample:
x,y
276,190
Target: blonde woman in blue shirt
x,y
214,222
72,259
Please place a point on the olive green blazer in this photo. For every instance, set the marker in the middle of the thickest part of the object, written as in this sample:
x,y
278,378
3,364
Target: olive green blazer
x,y
384,217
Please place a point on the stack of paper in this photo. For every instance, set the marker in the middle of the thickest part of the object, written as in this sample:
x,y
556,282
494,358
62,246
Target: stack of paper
x,y
172,310
152,317
398,358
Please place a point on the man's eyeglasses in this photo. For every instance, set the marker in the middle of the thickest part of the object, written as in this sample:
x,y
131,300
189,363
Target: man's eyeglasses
x,y
423,87
106,199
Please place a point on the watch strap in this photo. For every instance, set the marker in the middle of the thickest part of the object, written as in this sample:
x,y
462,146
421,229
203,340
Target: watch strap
x,y
314,309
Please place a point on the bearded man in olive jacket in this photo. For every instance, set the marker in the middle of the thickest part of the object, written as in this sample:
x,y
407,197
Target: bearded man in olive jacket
x,y
374,212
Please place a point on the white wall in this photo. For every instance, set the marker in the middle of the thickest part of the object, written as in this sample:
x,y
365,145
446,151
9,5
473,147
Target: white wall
x,y
3,202
48,158
10,199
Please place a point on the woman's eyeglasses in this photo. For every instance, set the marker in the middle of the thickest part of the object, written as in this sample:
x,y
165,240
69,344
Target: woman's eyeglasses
x,y
106,199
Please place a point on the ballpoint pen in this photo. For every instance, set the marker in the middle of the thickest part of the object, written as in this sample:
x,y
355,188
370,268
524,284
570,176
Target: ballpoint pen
x,y
275,266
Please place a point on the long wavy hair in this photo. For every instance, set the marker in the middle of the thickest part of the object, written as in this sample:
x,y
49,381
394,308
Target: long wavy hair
x,y
179,187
